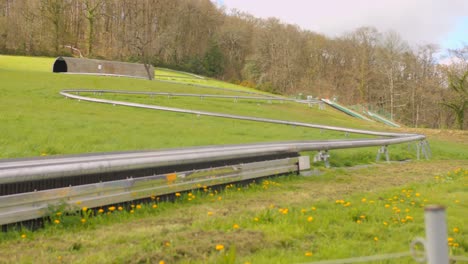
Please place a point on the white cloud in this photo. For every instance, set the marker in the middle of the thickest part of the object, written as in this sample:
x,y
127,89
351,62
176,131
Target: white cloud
x,y
417,21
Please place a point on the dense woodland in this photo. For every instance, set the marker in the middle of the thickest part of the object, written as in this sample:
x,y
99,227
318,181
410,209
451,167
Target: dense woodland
x,y
378,70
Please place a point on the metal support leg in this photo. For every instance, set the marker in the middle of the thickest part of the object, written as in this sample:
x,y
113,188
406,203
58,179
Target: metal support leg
x,y
423,146
383,150
323,156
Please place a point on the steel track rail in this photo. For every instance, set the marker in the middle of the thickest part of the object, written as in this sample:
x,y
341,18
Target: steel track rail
x,y
40,169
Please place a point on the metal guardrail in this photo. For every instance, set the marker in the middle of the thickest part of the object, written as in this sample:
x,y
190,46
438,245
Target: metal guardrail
x,y
30,205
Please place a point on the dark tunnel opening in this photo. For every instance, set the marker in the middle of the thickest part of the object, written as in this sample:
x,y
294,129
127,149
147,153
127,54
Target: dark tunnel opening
x,y
60,65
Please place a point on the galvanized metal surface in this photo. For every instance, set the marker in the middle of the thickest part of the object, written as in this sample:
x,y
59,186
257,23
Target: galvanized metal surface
x,y
32,205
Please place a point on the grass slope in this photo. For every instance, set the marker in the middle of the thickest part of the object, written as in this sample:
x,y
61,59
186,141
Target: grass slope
x,y
251,222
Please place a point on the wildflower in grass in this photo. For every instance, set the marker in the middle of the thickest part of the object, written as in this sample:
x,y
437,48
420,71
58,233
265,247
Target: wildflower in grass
x,y
376,239
155,206
162,262
43,154
56,221
363,200
58,214
256,219
403,220
409,218
132,211
308,254
167,244
23,236
120,208
219,247
83,220
371,201
132,206
456,230
407,210
101,211
455,245
138,206
313,208
450,239
347,204
111,208
153,197
238,189
210,213
402,201
284,210
78,202
177,194
417,194
190,194
235,226
303,210
387,206
358,221
220,198
362,217
310,219
84,209
457,201
385,223
189,199
403,191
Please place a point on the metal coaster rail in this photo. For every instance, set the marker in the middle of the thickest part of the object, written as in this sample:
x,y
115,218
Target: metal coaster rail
x,y
141,174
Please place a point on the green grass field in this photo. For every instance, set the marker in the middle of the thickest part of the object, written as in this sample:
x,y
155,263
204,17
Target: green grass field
x,y
265,222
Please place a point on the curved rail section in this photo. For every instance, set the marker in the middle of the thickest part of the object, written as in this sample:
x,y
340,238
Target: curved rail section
x,y
29,186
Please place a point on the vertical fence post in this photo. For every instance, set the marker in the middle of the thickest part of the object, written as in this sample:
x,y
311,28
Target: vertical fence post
x,y
436,235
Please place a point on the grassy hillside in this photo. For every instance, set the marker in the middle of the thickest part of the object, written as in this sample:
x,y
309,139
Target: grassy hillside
x,y
286,219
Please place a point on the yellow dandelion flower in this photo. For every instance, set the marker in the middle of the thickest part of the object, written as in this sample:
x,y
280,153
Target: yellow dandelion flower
x,y
58,214
456,245
403,220
417,194
313,208
177,194
162,262
347,204
220,198
101,211
456,230
385,223
371,201
450,239
363,200
153,197
219,247
358,221
154,206
310,219
387,206
132,211
56,221
407,210
84,209
235,226
167,244
376,239
457,201
78,202
308,254
138,206
409,218
362,216
403,191
303,210
83,220
23,236
256,219
120,208
190,194
112,208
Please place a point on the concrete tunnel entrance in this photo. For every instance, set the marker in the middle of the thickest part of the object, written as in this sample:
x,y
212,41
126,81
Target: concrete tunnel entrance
x,y
60,65
102,67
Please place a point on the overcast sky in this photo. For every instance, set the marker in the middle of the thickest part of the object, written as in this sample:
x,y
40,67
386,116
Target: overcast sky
x,y
443,22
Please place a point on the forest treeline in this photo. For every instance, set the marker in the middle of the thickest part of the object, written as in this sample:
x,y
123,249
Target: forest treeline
x,y
377,70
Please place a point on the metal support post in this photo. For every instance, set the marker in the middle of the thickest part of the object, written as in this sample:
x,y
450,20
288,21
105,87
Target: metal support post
x,y
436,235
383,150
323,156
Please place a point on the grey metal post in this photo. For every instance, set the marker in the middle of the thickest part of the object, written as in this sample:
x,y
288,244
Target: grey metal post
x,y
436,235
